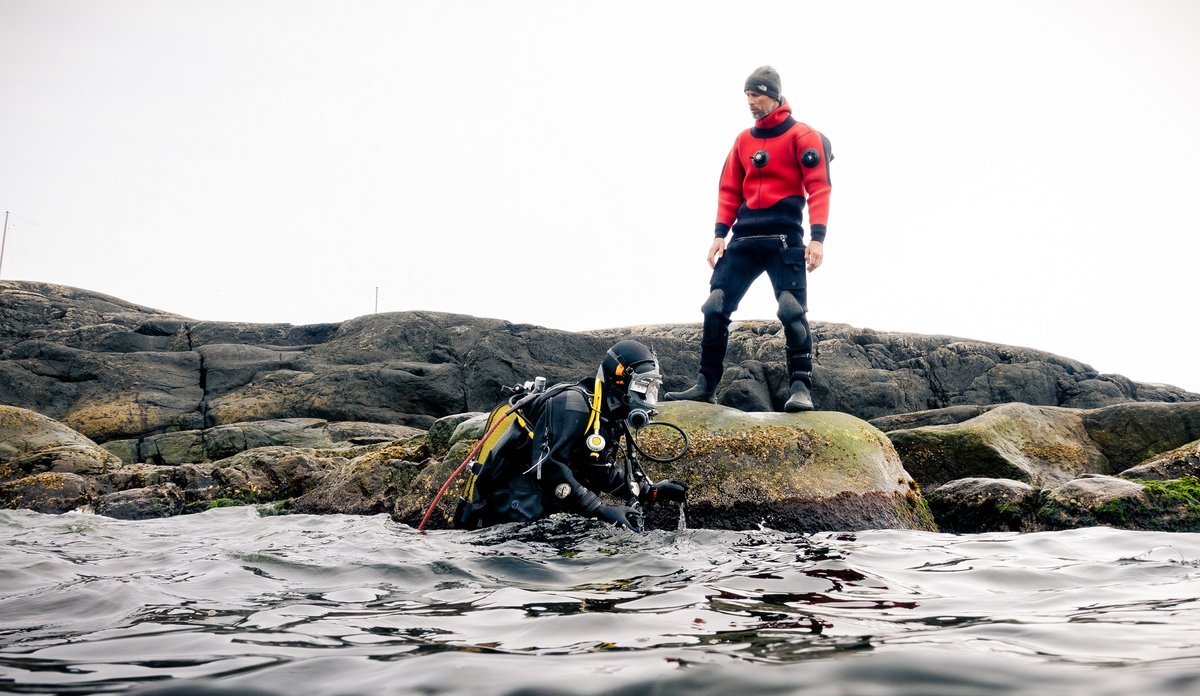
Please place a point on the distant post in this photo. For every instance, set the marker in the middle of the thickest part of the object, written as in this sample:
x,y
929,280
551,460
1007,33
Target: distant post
x,y
377,299
3,240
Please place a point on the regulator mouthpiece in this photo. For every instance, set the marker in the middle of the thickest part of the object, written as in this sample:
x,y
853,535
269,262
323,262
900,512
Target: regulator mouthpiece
x,y
638,418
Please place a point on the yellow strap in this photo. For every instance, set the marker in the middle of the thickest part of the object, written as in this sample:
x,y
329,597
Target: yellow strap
x,y
594,420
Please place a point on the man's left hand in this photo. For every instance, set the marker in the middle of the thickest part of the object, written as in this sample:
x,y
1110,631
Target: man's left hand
x,y
813,254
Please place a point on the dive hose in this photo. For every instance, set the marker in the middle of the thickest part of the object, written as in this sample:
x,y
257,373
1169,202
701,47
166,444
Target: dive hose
x,y
474,451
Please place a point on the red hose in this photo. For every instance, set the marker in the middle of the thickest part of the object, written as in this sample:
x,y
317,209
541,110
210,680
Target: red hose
x,y
450,480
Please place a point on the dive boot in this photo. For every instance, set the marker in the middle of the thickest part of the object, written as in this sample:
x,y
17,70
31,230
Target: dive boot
x,y
800,398
700,392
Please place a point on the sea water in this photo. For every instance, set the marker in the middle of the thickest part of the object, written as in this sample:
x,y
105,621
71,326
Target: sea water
x,y
231,602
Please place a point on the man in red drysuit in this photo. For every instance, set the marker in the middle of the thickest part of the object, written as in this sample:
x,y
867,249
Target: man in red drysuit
x,y
773,170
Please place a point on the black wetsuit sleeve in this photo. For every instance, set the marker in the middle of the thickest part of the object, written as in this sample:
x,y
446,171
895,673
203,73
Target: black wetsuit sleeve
x,y
558,437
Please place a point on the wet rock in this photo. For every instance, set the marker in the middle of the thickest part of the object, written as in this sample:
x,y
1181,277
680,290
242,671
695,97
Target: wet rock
x,y
1039,445
269,473
152,502
1090,501
976,505
48,492
368,484
1179,463
794,472
31,443
442,430
938,416
1128,434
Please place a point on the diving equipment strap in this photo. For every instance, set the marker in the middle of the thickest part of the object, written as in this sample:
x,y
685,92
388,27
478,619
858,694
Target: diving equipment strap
x,y
593,423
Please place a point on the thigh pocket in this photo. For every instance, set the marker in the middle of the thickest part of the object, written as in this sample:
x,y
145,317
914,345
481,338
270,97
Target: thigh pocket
x,y
792,274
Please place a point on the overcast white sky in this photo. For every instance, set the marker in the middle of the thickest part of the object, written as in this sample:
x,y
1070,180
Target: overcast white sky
x,y
1016,171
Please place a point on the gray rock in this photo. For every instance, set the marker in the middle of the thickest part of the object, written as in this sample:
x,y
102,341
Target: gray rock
x,y
977,505
1176,464
1091,501
1040,445
105,396
48,492
216,443
116,371
1128,434
938,416
469,429
444,428
31,443
153,502
125,450
359,433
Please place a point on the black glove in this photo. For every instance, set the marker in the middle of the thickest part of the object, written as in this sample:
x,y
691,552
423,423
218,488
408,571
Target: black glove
x,y
622,516
670,489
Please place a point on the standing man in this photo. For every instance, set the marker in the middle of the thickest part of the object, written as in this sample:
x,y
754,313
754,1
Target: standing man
x,y
773,169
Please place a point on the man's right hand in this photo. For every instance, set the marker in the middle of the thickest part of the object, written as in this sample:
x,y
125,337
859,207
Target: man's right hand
x,y
622,516
670,489
716,251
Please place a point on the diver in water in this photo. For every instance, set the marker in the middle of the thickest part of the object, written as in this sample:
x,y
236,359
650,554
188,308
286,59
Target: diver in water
x,y
564,450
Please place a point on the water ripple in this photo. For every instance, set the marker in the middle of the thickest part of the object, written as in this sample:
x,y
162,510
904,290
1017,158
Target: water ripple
x,y
227,600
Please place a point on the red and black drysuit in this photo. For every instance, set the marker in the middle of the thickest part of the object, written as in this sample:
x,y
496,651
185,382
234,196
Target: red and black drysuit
x,y
773,170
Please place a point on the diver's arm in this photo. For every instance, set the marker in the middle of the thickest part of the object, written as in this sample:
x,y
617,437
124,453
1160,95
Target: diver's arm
x,y
559,433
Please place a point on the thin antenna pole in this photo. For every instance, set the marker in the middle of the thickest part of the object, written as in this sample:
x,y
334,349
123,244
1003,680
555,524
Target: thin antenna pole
x,y
3,240
377,299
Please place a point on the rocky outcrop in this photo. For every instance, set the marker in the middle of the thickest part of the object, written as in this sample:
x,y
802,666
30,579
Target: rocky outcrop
x,y
197,413
212,444
794,472
31,443
872,374
1045,446
1039,445
1130,433
368,484
1025,468
982,505
116,371
1178,463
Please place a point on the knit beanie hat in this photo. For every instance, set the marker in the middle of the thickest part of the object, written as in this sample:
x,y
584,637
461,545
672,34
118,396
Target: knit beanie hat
x,y
765,81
